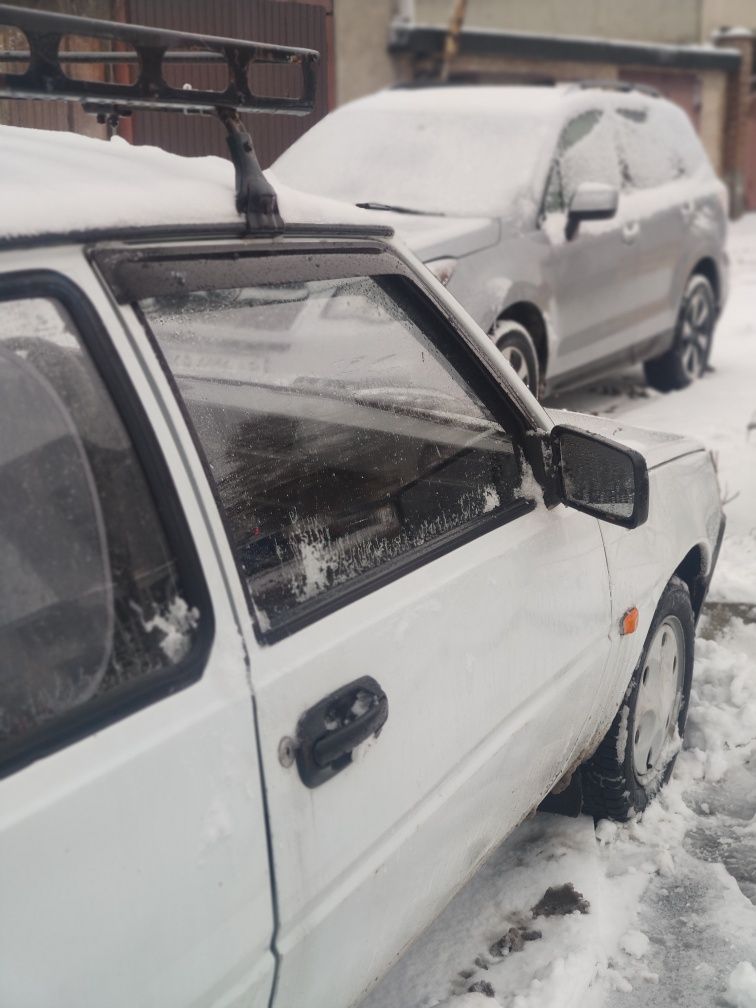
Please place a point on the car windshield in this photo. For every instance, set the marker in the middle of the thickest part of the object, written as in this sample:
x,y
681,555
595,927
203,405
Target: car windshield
x,y
430,160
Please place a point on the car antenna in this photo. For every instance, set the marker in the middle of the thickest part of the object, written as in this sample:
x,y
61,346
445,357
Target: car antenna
x,y
150,49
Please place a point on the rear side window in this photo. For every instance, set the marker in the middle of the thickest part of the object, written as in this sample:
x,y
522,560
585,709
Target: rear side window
x,y
341,440
657,144
92,608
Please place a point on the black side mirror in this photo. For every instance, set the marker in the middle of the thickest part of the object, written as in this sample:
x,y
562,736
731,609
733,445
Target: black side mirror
x,y
600,477
591,201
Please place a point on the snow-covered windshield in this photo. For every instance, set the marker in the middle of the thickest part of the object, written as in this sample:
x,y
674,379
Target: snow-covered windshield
x,y
477,163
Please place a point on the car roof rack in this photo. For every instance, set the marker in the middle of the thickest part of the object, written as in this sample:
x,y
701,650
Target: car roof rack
x,y
616,85
150,49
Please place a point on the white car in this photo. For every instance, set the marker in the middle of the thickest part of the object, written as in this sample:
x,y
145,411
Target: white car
x,y
305,601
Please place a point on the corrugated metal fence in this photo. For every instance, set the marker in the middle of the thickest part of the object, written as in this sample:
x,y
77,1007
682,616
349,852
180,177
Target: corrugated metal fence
x,y
283,22
276,21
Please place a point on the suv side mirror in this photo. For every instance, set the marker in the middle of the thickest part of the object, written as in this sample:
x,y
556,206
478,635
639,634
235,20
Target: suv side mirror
x,y
600,477
591,201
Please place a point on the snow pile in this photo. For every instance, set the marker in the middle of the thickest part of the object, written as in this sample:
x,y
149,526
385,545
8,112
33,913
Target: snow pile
x,y
741,990
60,182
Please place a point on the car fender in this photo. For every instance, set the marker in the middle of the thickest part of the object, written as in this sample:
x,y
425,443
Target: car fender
x,y
684,514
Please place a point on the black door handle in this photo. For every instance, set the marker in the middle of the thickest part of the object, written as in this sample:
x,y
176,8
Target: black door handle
x,y
328,733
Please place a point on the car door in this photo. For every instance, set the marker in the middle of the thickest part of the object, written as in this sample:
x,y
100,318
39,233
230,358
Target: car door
x,y
591,274
133,860
399,561
662,202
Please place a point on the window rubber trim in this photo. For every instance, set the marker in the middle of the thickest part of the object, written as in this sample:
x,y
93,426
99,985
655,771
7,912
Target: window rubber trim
x,y
78,724
288,264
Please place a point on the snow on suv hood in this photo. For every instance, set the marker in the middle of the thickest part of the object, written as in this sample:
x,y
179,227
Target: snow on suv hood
x,y
657,447
431,237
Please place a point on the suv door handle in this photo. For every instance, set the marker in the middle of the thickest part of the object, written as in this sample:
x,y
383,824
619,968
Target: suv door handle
x,y
630,232
329,732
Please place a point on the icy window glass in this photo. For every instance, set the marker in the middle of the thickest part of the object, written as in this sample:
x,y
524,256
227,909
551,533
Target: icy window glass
x,y
657,144
589,154
585,153
341,440
90,604
475,160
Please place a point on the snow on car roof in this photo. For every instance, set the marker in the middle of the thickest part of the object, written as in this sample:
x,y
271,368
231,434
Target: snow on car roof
x,y
55,183
520,99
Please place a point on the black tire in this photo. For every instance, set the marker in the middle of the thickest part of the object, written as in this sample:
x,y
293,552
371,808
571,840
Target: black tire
x,y
614,787
516,344
688,357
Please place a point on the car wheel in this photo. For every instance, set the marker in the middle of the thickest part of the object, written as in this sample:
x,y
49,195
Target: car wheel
x,y
638,753
515,343
686,360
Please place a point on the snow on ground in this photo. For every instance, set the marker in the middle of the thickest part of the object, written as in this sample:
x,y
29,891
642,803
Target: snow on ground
x,y
672,896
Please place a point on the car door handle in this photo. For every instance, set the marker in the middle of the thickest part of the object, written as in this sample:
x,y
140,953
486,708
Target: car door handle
x,y
630,232
329,732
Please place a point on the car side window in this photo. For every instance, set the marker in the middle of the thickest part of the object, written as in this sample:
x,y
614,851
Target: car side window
x,y
341,440
92,608
647,157
657,145
585,152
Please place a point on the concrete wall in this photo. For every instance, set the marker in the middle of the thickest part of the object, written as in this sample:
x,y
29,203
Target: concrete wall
x,y
726,14
361,31
713,114
673,21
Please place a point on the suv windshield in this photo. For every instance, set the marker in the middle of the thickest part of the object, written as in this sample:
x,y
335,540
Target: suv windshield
x,y
431,160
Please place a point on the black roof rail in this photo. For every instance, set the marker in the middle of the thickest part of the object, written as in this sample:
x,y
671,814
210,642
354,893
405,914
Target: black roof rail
x,y
150,48
617,85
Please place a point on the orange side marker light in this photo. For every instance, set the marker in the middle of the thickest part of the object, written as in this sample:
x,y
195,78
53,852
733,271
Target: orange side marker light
x,y
629,623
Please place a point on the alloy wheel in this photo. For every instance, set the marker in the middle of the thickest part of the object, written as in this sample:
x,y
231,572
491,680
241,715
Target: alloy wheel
x,y
697,325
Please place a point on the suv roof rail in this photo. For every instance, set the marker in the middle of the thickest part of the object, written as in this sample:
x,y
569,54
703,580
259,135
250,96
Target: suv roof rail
x,y
616,85
150,48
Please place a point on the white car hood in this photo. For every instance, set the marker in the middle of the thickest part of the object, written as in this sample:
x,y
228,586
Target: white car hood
x,y
657,447
432,237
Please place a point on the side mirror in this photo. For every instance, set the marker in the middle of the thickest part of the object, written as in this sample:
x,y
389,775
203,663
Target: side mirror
x,y
591,201
600,477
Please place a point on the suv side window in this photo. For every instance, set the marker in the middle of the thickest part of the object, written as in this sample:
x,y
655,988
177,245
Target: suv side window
x,y
647,158
585,152
92,609
657,145
341,440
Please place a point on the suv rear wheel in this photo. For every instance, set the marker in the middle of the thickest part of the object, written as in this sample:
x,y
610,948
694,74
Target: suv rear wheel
x,y
515,343
688,357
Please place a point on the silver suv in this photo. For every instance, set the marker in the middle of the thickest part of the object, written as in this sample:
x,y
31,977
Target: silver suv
x,y
582,227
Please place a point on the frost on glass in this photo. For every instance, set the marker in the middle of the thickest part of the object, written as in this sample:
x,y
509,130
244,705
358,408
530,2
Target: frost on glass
x,y
90,602
656,144
588,154
340,438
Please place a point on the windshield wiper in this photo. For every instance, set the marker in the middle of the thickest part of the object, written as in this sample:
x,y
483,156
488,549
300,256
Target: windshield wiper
x,y
399,209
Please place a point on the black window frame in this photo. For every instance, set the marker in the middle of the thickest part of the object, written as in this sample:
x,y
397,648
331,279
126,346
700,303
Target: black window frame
x,y
123,271
79,723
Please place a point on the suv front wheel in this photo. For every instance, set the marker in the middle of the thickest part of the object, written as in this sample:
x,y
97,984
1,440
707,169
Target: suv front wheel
x,y
688,357
515,343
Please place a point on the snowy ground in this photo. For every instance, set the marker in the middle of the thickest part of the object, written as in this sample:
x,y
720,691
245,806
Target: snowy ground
x,y
672,897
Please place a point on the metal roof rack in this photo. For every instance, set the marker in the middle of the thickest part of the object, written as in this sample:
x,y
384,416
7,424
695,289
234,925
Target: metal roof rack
x,y
617,85
150,49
